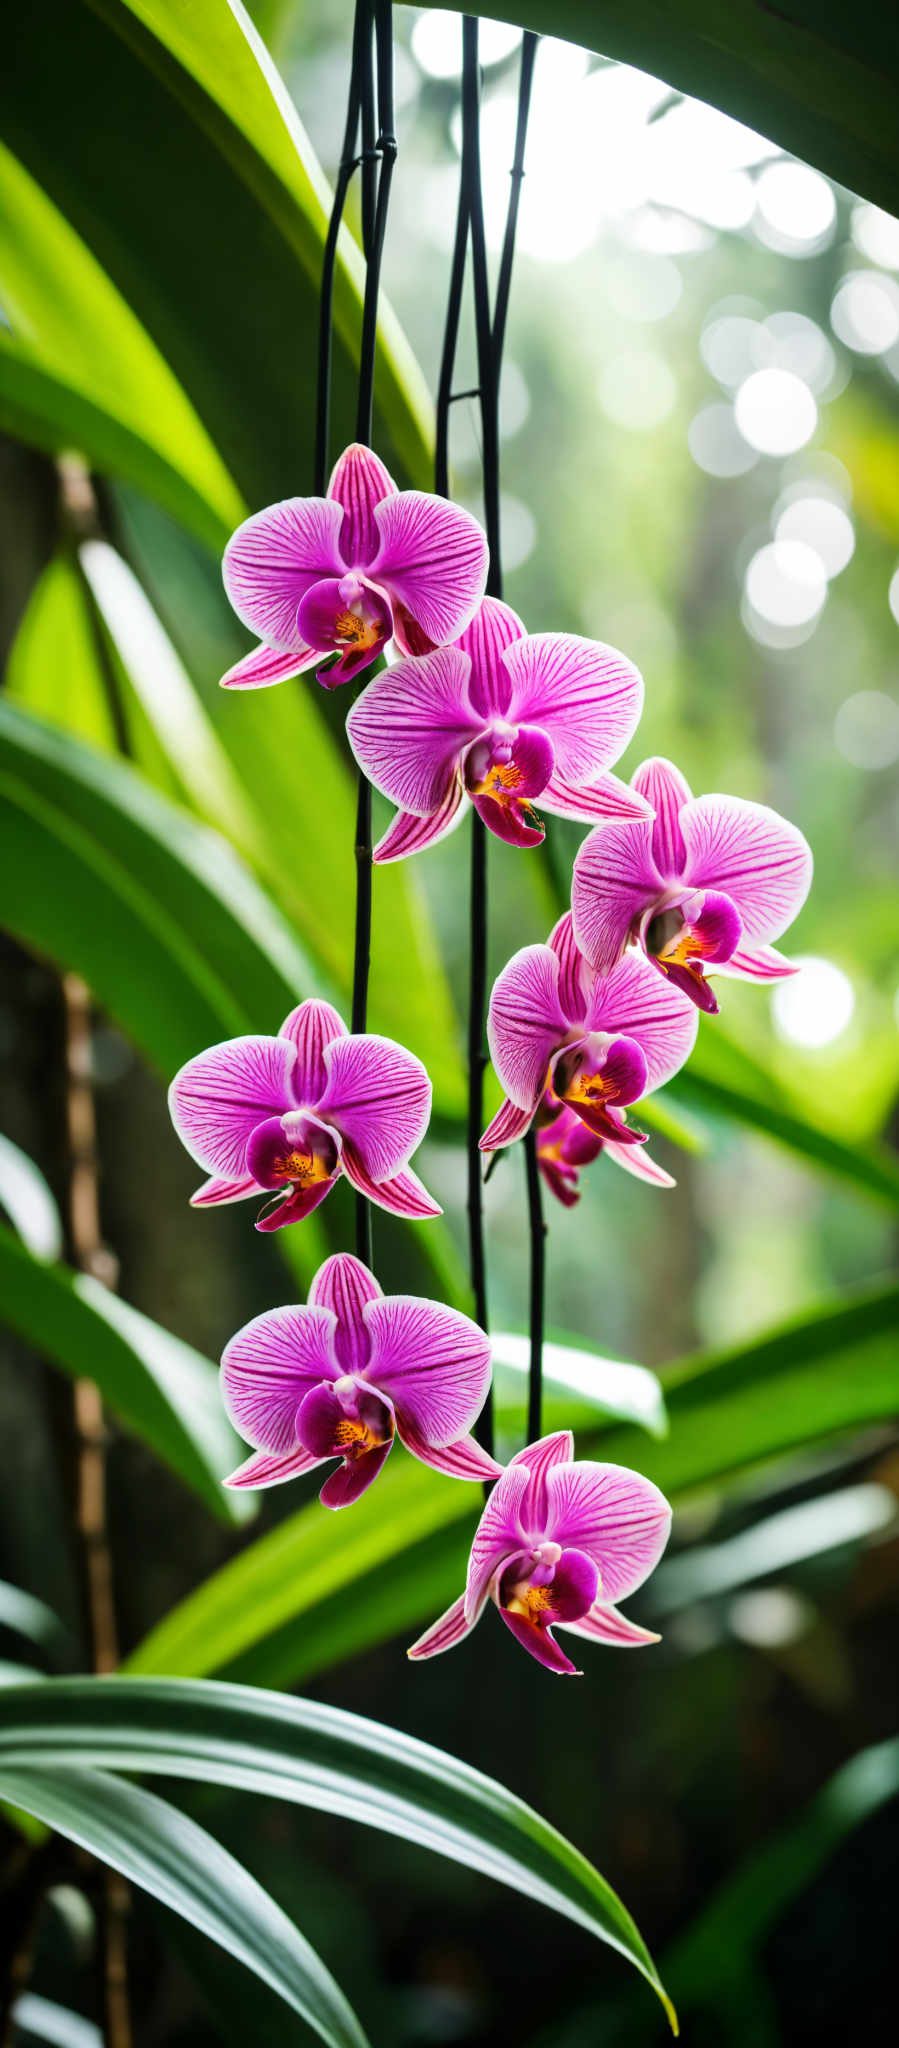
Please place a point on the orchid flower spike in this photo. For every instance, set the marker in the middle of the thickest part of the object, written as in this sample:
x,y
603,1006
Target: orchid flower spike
x,y
287,1115
567,1042
504,720
340,1377
333,579
707,882
558,1544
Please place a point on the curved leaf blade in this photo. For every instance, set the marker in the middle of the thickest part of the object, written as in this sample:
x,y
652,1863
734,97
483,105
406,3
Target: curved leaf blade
x,y
31,1209
315,1755
163,1852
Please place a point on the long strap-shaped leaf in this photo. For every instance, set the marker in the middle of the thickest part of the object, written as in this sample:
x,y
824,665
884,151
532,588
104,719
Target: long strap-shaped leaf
x,y
169,1856
315,1755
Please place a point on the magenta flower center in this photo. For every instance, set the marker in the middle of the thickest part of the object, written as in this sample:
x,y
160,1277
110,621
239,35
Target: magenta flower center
x,y
548,1584
293,1150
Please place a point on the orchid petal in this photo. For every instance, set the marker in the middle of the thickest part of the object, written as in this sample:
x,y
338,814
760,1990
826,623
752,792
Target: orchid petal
x,y
465,1459
587,697
354,1477
637,1002
296,1148
344,1285
541,1643
526,1023
219,1097
666,791
294,1206
403,1194
335,1417
409,834
432,1362
510,821
359,482
636,1160
615,1515
268,1468
762,963
410,728
268,1368
498,1534
444,1634
222,1190
274,558
540,1458
614,881
433,557
518,773
750,853
264,666
349,617
310,1027
605,798
509,1123
378,1096
494,628
604,1624
575,977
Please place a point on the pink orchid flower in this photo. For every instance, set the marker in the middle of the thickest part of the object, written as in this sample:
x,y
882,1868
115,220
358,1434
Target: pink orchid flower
x,y
504,720
340,1377
564,1145
288,1115
558,1544
319,578
709,881
564,1038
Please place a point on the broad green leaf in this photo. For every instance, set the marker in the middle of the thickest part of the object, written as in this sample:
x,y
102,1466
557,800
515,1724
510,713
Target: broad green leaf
x,y
18,1674
159,1387
31,1209
318,1756
578,1385
195,188
846,1516
77,369
820,79
31,1618
163,1852
41,2019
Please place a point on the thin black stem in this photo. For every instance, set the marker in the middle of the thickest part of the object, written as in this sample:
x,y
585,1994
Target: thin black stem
x,y
386,150
477,1060
488,379
348,164
361,964
369,158
450,343
504,281
537,1234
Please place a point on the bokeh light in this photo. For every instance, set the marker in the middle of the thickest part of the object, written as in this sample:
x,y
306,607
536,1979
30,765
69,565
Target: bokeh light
x,y
822,526
815,1005
796,209
866,729
716,444
865,312
785,583
775,412
437,42
876,235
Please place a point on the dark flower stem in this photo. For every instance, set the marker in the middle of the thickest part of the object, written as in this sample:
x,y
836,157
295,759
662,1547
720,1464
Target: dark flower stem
x,y
537,1235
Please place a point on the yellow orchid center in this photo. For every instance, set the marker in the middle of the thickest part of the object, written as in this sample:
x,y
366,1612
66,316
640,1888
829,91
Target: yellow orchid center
x,y
357,632
305,1168
354,1438
530,1602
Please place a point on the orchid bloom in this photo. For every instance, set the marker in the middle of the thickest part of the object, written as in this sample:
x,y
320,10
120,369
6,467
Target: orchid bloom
x,y
558,1544
341,575
564,1038
564,1145
708,881
504,720
288,1115
340,1377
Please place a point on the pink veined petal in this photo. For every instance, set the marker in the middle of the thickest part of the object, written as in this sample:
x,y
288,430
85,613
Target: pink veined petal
x,y
293,1208
614,881
636,1000
514,823
604,1624
498,1534
403,1194
587,696
310,1027
408,638
344,1285
605,798
359,481
274,558
561,1180
636,1160
219,1190
464,1459
616,1516
347,616
579,1146
263,666
432,1362
268,1468
750,854
575,978
541,1643
353,1477
409,834
526,1023
761,963
540,1458
410,729
378,1096
494,628
444,1634
433,557
219,1097
666,791
269,1367
509,1123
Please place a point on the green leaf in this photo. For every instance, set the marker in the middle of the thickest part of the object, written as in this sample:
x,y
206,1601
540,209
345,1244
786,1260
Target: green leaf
x,y
161,1389
77,369
191,181
163,1852
31,1209
31,1618
318,1756
819,78
40,2019
578,1384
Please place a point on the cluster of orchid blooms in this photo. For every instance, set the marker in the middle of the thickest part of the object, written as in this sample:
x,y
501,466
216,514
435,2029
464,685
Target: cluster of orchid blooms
x,y
473,710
